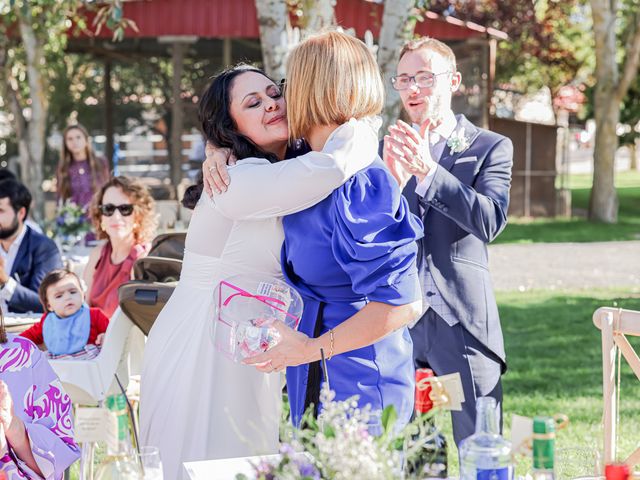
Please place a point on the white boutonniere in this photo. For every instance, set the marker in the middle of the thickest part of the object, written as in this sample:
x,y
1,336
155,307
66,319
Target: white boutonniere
x,y
458,142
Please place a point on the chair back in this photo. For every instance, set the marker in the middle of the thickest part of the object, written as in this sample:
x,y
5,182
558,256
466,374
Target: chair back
x,y
142,301
157,269
168,245
155,278
615,324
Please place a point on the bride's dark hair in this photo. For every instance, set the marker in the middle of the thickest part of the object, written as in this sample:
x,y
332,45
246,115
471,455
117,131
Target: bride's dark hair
x,y
219,128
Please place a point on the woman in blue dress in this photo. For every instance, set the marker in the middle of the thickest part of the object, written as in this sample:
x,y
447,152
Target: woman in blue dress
x,y
352,256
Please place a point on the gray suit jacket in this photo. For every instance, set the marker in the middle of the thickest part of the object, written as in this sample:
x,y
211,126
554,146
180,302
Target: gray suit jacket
x,y
465,208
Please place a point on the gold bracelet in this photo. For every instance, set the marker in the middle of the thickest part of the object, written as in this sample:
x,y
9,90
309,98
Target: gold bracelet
x,y
330,344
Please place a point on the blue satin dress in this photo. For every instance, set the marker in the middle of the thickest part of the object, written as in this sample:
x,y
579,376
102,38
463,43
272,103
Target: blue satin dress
x,y
356,246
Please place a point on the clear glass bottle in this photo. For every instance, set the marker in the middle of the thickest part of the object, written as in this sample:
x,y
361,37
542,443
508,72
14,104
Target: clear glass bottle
x,y
431,460
544,439
123,463
485,455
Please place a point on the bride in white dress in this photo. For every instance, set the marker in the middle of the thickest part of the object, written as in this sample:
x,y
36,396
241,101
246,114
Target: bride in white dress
x,y
196,404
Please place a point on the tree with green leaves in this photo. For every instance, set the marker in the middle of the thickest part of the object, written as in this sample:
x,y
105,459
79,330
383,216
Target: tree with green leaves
x,y
616,30
33,36
548,42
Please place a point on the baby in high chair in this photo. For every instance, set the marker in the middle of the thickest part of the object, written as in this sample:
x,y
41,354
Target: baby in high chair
x,y
68,325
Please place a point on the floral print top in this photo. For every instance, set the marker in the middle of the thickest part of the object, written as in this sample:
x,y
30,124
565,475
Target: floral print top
x,y
43,406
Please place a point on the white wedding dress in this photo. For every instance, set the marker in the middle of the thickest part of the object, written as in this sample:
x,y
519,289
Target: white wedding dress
x,y
197,404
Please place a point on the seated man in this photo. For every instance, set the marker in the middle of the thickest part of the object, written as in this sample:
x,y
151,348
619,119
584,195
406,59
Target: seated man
x,y
8,174
25,255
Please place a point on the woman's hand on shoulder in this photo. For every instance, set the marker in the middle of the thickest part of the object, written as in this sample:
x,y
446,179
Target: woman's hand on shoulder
x,y
214,169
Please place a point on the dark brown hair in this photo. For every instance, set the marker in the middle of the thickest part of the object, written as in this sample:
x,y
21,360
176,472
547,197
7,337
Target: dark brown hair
x,y
51,278
219,127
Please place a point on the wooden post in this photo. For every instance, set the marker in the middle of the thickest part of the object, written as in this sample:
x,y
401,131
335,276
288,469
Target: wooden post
x,y
177,114
491,74
227,54
527,169
609,388
108,112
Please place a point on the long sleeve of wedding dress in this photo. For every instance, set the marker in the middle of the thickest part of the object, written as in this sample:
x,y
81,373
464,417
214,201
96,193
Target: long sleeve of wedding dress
x,y
259,189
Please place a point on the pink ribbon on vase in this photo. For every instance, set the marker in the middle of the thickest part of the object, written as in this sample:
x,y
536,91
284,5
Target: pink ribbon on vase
x,y
270,301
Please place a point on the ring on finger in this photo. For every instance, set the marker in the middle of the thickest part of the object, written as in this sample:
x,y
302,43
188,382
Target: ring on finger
x,y
211,169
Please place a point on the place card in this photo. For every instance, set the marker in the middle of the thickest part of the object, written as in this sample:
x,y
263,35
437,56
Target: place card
x,y
452,386
96,425
521,434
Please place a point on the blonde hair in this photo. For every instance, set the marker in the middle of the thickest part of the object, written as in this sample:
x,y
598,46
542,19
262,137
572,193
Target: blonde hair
x,y
97,168
433,45
331,77
144,208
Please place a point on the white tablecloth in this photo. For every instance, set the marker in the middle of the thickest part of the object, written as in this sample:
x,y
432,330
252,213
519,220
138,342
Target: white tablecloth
x,y
76,259
226,468
18,322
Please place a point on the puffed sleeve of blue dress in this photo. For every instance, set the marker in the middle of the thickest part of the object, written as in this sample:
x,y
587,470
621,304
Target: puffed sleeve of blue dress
x,y
355,247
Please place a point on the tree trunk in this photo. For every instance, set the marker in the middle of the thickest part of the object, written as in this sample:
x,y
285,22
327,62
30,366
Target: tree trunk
x,y
320,14
32,153
108,113
273,17
397,28
177,115
603,204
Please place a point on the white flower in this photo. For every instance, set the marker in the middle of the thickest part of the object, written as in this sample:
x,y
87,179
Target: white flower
x,y
458,142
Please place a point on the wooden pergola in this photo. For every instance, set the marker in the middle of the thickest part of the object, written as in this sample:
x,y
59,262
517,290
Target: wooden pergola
x,y
228,31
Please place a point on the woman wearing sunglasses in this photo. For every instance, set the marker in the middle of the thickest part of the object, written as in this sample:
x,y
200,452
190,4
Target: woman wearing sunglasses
x,y
123,214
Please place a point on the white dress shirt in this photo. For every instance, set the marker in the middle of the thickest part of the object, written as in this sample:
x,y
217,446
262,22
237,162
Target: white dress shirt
x,y
437,143
6,292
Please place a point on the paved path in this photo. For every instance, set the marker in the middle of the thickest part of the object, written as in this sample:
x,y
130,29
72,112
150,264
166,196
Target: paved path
x,y
565,265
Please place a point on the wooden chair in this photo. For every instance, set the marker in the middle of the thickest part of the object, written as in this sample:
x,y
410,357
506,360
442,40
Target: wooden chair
x,y
615,323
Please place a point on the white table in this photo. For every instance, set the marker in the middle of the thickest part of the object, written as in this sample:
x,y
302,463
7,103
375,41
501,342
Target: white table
x,y
227,468
19,322
76,258
224,469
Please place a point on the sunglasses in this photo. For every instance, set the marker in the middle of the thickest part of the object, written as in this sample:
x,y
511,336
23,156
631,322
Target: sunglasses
x,y
109,209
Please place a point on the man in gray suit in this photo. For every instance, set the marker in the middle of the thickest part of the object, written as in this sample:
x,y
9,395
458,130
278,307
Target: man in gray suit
x,y
457,179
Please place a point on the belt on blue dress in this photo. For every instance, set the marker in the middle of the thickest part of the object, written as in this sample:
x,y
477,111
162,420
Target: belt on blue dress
x,y
314,377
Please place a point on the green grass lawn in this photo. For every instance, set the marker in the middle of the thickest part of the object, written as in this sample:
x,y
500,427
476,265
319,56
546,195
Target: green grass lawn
x,y
555,366
578,229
